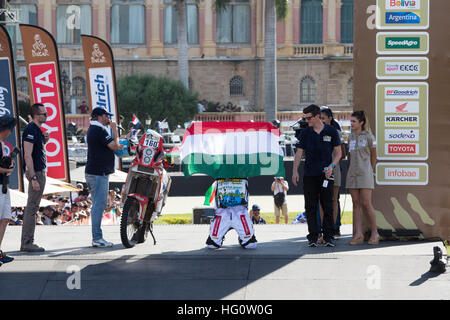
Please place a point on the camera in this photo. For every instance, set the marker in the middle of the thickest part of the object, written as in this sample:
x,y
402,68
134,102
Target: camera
x,y
6,163
299,126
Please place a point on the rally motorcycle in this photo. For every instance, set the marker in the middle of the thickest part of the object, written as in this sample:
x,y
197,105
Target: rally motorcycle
x,y
145,191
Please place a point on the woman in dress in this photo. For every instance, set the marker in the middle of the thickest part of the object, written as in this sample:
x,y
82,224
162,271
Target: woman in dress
x,y
360,176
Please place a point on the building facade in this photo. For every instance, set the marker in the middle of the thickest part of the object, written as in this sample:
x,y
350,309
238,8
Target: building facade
x,y
226,48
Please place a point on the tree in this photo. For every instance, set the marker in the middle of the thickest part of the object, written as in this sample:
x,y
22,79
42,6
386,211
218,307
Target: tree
x,y
275,9
157,97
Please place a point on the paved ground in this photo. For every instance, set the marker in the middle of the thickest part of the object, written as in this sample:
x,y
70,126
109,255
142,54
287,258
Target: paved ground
x,y
296,203
179,267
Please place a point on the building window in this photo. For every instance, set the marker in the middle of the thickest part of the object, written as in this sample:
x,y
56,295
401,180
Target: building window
x,y
307,90
347,21
71,22
236,86
22,85
27,15
233,23
79,87
311,22
350,91
127,22
190,84
170,22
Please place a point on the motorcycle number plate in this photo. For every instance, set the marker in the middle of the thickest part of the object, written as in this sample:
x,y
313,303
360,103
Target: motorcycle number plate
x,y
149,142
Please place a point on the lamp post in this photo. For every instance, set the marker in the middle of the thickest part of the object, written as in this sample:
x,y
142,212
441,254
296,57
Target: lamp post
x,y
66,85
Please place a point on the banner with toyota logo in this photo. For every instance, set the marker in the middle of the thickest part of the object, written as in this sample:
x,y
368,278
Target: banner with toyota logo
x,y
42,63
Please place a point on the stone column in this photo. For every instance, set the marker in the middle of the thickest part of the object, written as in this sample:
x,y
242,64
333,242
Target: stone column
x,y
208,45
156,45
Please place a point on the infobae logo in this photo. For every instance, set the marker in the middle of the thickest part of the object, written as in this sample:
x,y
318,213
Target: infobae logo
x,y
402,18
401,107
402,173
402,4
401,135
401,93
402,148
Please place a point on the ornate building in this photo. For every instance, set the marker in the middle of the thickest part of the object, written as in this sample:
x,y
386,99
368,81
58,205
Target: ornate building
x,y
226,49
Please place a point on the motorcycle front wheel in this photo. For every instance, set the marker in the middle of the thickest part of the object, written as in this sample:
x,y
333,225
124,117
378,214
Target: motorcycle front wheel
x,y
132,230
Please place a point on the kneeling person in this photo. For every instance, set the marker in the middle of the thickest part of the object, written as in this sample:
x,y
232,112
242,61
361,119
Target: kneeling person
x,y
231,202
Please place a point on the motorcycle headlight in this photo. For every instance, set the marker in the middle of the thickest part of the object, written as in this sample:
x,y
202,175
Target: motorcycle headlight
x,y
147,160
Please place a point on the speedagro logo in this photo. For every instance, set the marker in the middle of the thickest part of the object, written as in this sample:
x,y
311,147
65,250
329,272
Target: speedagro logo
x,y
402,43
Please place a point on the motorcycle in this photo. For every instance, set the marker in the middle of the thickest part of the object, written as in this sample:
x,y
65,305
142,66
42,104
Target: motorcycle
x,y
145,191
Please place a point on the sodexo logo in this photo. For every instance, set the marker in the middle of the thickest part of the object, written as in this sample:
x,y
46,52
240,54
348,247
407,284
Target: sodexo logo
x,y
3,98
401,135
402,18
402,4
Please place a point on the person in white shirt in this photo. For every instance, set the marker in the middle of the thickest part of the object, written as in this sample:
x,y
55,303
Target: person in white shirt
x,y
279,189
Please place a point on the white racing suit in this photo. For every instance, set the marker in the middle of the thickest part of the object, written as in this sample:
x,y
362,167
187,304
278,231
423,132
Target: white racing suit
x,y
231,213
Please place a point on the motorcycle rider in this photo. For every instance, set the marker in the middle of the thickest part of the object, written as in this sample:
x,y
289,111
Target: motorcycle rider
x,y
231,202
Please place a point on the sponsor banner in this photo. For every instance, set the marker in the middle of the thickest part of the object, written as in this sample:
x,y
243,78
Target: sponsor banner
x,y
402,173
8,104
403,14
100,73
102,89
401,149
402,68
404,43
402,135
45,90
401,106
403,17
401,121
401,93
402,4
42,62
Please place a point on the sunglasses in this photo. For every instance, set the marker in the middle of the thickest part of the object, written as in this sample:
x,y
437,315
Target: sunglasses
x,y
42,114
308,118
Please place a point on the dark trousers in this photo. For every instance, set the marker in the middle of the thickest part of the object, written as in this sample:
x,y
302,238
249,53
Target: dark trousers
x,y
314,190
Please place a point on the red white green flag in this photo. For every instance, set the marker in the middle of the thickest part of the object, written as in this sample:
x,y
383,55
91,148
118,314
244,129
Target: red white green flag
x,y
232,150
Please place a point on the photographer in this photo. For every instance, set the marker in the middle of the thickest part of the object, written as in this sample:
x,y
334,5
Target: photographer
x,y
7,124
279,189
318,142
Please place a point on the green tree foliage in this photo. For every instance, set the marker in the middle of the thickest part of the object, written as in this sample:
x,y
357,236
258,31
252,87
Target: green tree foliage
x,y
158,97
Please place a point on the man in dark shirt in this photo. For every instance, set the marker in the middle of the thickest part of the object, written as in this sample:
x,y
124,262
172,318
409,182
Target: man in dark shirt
x,y
35,166
100,164
317,142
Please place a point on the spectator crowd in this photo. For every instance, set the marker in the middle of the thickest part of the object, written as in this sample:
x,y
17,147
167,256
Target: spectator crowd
x,y
69,209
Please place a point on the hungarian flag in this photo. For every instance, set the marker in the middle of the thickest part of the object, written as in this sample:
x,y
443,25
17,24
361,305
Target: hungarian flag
x,y
210,194
232,150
